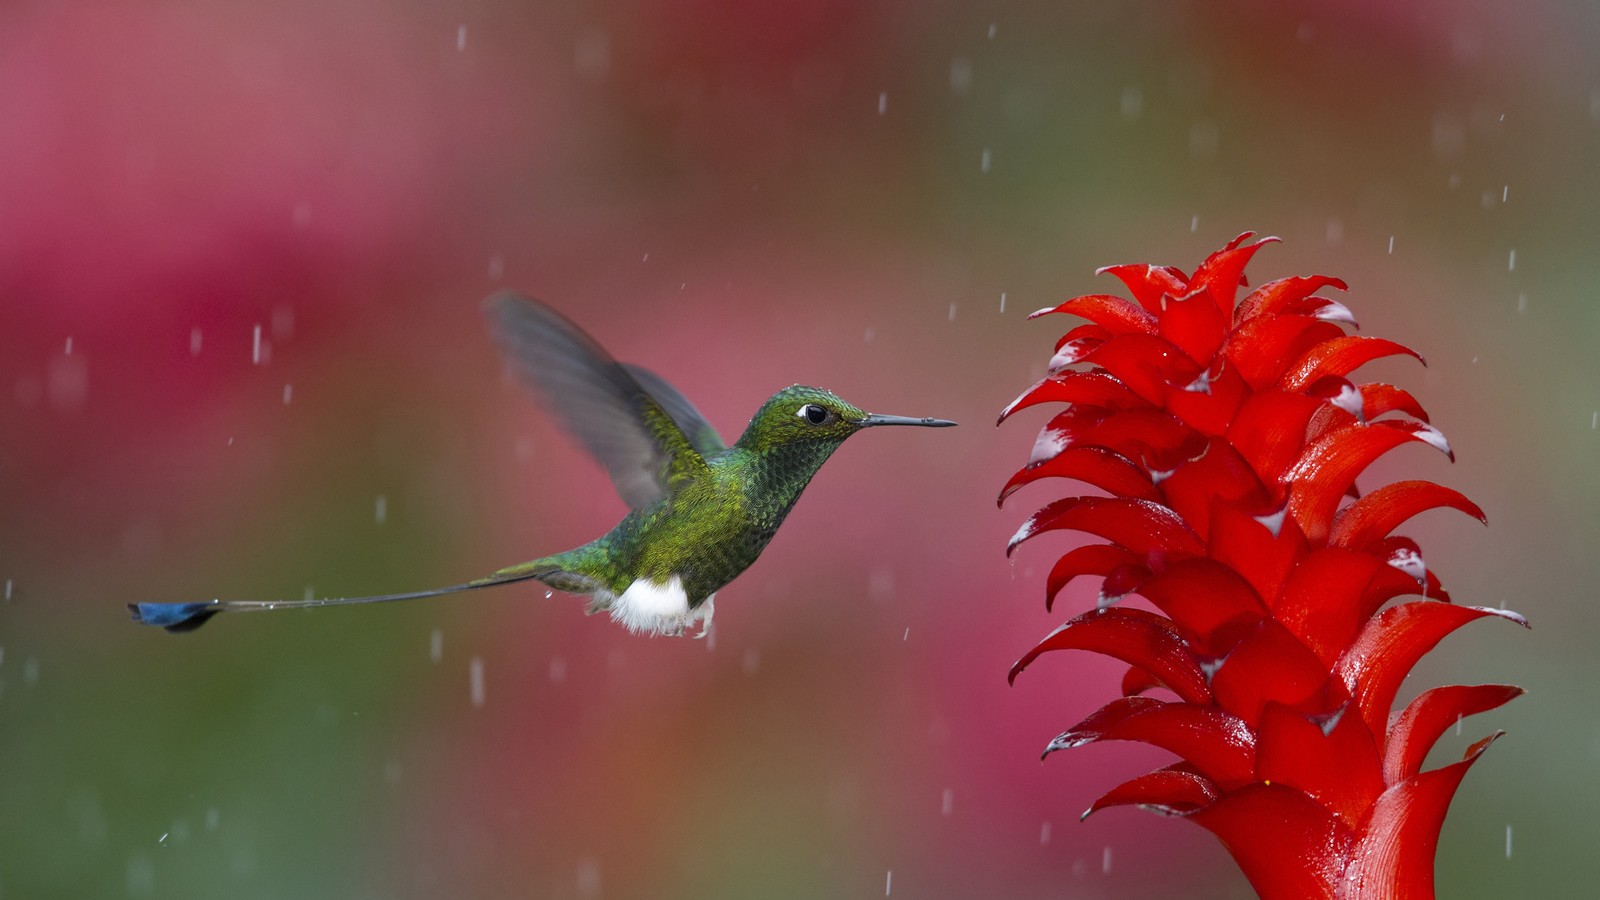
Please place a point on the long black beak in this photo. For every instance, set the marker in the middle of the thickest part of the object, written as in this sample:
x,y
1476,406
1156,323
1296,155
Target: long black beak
x,y
874,419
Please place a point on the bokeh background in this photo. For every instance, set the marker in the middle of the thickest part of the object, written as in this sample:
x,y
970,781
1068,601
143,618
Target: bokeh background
x,y
242,249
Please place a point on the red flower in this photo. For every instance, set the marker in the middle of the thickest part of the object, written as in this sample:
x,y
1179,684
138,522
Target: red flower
x,y
1226,436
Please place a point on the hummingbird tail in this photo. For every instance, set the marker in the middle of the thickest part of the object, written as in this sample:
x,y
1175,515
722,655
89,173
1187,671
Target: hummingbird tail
x,y
181,617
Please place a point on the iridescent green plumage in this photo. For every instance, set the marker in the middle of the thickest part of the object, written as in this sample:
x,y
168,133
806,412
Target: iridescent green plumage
x,y
701,511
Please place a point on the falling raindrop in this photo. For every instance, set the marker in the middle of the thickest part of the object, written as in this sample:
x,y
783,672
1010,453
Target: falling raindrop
x,y
1194,224
752,660
549,594
992,28
282,322
1132,102
475,673
952,312
8,590
1044,832
1105,860
255,346
213,819
68,351
1335,231
868,335
436,645
1391,245
983,163
380,512
558,670
592,55
461,37
1522,303
1508,842
392,771
907,635
949,801
961,75
1511,262
888,882
497,267
141,875
288,394
883,102
30,671
1002,301
589,877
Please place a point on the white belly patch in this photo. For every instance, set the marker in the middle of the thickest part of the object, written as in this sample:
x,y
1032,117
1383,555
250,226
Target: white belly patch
x,y
651,607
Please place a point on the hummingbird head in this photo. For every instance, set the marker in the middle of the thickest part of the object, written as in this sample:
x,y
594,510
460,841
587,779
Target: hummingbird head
x,y
800,415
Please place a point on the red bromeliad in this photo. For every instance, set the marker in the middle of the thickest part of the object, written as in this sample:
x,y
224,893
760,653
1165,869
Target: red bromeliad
x,y
1226,435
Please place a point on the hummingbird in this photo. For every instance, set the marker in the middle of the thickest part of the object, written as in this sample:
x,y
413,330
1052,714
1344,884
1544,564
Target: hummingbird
x,y
700,511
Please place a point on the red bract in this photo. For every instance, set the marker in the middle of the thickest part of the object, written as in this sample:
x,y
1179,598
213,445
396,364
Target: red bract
x,y
1229,437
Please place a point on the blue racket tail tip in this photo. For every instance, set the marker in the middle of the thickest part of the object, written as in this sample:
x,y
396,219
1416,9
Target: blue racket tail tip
x,y
174,617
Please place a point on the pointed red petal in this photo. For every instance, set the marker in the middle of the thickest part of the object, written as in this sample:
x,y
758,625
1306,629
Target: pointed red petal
x,y
1341,356
1147,283
1270,431
1378,513
1218,745
1274,296
1150,366
1136,681
1210,402
1193,324
1328,468
1223,271
1110,312
1203,597
1101,468
1173,790
1262,548
1394,854
1219,474
1413,732
1287,844
1378,399
1142,434
1150,530
1072,351
1091,559
1271,666
1335,761
1403,572
1136,637
1087,388
1263,348
1324,309
1392,642
1088,330
1321,602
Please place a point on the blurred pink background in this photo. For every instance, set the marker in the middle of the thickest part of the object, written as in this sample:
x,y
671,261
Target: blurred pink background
x,y
241,255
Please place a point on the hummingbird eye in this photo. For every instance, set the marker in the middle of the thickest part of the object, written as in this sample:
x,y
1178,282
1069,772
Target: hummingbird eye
x,y
814,414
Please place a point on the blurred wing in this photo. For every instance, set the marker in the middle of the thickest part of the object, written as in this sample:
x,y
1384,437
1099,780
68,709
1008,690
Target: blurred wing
x,y
701,435
631,433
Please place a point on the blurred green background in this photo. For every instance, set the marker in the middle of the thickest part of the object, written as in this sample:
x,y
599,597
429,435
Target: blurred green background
x,y
241,254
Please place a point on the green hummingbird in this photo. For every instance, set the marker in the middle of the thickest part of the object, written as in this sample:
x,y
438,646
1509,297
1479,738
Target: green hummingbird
x,y
700,510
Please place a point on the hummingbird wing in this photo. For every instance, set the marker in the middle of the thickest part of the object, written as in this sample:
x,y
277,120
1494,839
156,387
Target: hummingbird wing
x,y
637,435
702,436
